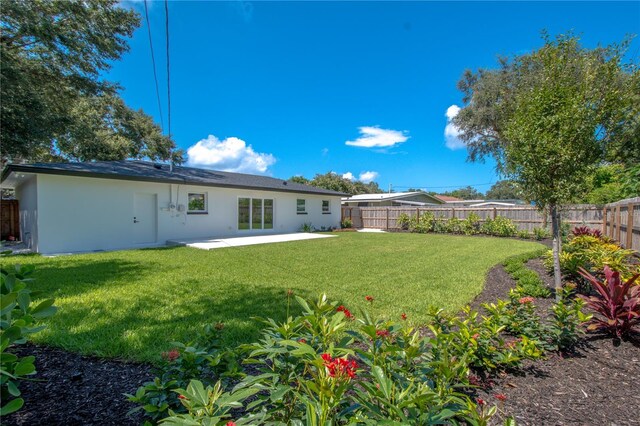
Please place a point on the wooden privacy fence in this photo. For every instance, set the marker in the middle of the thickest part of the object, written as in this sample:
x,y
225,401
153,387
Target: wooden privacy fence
x,y
621,221
524,217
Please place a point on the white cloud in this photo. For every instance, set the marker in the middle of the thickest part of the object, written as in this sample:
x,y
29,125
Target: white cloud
x,y
349,176
375,137
451,132
369,176
231,155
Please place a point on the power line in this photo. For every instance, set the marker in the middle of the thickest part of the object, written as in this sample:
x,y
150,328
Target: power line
x,y
166,12
153,61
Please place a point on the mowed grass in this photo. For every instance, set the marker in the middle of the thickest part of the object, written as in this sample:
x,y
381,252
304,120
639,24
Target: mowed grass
x,y
133,304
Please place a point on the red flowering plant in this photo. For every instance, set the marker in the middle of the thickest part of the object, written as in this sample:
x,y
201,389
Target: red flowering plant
x,y
616,304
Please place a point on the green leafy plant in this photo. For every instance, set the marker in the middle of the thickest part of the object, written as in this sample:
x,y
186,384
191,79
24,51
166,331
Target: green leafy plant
x,y
529,282
524,234
616,305
499,227
472,224
404,221
346,223
203,359
565,328
19,318
307,227
541,233
593,253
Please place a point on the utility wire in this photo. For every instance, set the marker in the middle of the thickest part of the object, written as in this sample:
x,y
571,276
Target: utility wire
x,y
166,12
153,61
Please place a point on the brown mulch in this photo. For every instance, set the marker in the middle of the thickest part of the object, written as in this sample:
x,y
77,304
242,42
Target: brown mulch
x,y
78,390
597,384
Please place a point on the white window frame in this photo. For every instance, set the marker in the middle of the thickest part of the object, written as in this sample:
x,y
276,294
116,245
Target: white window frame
x,y
304,206
251,228
328,210
206,203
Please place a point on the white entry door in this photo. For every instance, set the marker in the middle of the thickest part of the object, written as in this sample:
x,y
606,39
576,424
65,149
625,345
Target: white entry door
x,y
145,218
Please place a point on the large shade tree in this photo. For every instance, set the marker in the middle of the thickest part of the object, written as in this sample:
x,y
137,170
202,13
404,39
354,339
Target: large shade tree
x,y
550,116
55,104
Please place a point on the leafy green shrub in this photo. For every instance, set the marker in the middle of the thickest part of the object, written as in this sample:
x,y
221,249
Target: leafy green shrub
x,y
422,224
307,227
541,233
203,359
524,234
454,226
346,223
593,253
499,227
403,221
325,366
18,319
528,281
565,328
472,224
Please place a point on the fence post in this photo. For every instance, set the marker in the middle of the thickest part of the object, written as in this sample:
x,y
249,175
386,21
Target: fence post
x,y
612,222
495,213
604,220
630,208
453,212
417,213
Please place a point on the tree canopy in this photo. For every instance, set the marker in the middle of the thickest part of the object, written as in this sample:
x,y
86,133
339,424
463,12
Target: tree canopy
x,y
55,105
466,193
550,116
504,190
335,182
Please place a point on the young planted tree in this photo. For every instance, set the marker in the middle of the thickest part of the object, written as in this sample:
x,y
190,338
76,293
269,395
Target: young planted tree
x,y
549,116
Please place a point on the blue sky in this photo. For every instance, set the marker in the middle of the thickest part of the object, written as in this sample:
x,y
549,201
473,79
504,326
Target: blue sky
x,y
358,88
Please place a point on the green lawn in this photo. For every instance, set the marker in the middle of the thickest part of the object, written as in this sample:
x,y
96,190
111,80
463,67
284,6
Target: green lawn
x,y
132,304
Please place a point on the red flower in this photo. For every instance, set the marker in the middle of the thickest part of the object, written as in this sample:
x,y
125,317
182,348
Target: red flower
x,y
182,397
383,333
231,423
403,316
368,299
347,313
524,300
475,336
302,340
171,356
481,401
500,396
340,368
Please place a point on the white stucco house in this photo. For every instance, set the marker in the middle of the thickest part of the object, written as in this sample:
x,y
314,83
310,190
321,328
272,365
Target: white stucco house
x,y
111,205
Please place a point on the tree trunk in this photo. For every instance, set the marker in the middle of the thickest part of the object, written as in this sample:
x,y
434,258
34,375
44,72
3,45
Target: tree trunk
x,y
555,230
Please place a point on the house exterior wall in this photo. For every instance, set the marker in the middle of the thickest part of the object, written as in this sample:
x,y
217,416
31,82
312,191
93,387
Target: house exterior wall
x,y
85,214
27,193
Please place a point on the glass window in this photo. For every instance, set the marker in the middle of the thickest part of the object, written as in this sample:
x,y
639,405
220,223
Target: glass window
x,y
268,214
244,214
197,203
326,206
256,213
301,206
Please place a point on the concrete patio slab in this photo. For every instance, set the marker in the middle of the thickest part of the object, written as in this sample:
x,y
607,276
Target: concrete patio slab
x,y
216,243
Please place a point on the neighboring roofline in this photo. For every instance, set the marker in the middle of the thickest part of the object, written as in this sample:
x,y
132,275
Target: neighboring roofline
x,y
11,168
392,196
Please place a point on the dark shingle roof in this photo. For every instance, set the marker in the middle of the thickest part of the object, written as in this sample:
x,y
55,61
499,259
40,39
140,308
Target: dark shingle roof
x,y
153,172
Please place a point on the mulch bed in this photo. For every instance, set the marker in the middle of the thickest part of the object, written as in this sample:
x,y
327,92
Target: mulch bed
x,y
596,384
